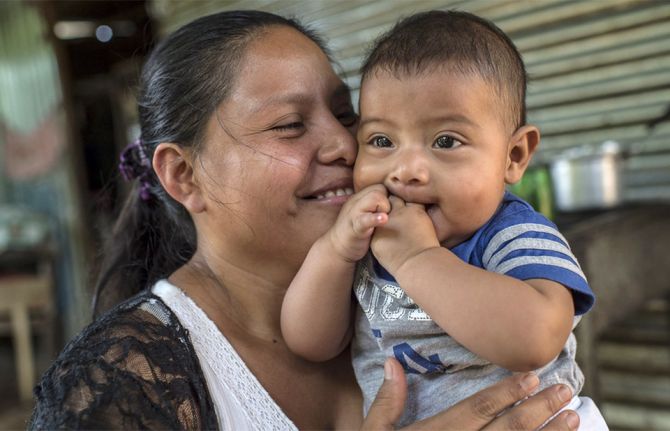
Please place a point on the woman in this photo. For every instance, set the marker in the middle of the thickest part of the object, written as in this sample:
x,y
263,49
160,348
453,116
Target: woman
x,y
245,159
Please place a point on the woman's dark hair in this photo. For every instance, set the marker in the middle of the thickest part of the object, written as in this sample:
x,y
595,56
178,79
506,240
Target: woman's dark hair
x,y
184,80
460,42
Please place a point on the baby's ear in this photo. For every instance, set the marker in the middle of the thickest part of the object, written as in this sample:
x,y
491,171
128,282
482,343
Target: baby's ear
x,y
173,165
520,150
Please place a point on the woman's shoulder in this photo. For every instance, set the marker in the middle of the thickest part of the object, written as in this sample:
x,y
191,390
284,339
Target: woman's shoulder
x,y
133,367
139,323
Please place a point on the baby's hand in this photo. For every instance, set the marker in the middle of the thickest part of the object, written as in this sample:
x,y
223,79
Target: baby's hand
x,y
409,231
363,212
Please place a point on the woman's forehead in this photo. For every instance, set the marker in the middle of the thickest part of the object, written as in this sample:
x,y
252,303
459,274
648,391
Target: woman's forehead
x,y
282,40
284,66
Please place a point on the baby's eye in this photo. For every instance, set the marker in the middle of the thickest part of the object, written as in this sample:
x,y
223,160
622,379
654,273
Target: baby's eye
x,y
446,142
381,142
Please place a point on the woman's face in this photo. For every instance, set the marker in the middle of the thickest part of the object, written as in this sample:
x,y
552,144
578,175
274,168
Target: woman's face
x,y
276,166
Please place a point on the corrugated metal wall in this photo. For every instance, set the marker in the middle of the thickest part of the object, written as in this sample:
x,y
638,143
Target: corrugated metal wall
x,y
600,70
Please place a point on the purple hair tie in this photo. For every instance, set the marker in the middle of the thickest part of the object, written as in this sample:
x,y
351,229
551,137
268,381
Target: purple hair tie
x,y
133,164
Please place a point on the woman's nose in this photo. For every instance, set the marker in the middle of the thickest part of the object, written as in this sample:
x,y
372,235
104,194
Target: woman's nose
x,y
410,169
338,144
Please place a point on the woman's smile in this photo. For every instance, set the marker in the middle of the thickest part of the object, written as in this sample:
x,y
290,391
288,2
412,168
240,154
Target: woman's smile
x,y
332,193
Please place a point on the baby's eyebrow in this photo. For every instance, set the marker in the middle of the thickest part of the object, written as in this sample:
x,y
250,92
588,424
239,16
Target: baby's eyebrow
x,y
437,119
452,118
372,120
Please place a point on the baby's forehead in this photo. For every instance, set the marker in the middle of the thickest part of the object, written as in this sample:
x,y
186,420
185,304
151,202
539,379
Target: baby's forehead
x,y
442,75
444,70
463,80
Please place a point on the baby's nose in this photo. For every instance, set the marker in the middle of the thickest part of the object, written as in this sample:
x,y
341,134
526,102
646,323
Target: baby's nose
x,y
411,170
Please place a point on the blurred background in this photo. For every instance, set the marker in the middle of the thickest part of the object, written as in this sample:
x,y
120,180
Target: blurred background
x,y
599,91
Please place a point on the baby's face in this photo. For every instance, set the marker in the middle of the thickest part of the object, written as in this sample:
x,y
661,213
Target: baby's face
x,y
437,139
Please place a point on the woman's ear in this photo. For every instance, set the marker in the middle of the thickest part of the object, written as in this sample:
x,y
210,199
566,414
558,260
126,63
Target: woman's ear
x,y
520,150
174,167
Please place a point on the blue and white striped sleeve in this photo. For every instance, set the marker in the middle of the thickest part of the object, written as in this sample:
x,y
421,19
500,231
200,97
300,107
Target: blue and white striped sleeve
x,y
536,249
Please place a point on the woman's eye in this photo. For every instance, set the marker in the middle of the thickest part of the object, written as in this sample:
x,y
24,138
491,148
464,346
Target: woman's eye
x,y
290,126
381,142
446,142
348,119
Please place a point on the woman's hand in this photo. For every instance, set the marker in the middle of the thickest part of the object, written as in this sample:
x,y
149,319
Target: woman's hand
x,y
481,410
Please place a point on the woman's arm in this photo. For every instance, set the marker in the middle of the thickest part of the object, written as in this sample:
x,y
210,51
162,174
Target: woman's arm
x,y
494,408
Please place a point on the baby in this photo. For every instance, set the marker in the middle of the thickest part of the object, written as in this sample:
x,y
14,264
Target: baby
x,y
459,280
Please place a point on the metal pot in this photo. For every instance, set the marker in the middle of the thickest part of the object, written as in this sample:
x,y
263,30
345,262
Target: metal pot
x,y
587,178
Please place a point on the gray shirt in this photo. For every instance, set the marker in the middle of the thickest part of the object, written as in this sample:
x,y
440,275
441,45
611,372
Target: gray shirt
x,y
440,372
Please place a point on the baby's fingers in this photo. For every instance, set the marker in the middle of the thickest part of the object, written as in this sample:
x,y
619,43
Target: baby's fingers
x,y
364,224
396,202
412,204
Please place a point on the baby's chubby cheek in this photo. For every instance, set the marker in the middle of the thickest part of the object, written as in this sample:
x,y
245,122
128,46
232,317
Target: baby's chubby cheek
x,y
369,170
363,175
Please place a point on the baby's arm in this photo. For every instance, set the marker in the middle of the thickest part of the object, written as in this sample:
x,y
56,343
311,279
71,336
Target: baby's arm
x,y
316,316
519,325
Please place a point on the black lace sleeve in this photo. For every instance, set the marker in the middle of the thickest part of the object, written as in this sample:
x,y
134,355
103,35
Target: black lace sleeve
x,y
133,368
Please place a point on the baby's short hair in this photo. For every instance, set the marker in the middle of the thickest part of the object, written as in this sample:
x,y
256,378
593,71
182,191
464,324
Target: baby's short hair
x,y
460,42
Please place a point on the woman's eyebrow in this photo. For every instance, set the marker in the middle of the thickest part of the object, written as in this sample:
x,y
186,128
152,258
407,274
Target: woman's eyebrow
x,y
282,99
296,98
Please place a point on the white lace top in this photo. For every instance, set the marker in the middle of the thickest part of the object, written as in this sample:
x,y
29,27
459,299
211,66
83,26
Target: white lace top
x,y
240,401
